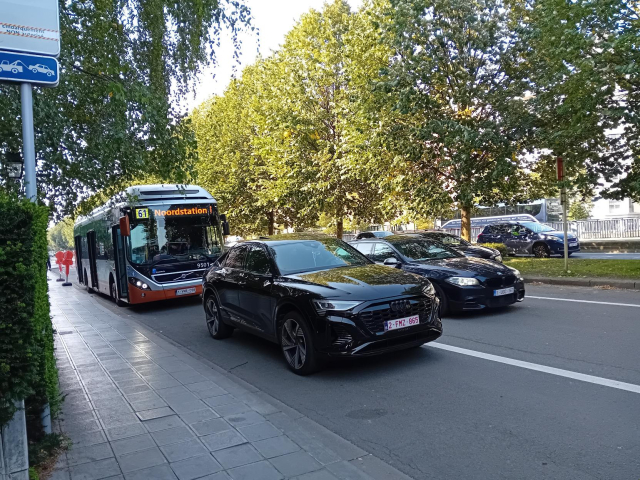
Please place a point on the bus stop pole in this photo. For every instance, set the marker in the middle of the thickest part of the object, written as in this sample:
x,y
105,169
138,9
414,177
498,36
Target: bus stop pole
x,y
28,144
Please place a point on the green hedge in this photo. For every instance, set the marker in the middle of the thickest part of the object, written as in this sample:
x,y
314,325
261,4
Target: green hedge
x,y
27,363
501,247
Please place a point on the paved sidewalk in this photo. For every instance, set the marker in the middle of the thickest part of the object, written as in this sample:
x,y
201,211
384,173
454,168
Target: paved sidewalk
x,y
138,407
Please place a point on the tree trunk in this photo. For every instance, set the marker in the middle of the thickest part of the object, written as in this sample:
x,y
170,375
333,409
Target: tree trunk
x,y
271,219
465,222
339,227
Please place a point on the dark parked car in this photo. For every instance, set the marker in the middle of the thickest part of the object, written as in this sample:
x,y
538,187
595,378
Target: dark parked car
x,y
317,296
530,238
461,283
461,245
377,234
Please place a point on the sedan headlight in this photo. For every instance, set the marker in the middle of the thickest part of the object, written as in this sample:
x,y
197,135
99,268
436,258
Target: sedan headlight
x,y
517,273
428,290
323,306
498,258
462,281
554,238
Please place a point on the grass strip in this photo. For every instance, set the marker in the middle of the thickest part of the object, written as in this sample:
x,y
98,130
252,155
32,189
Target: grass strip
x,y
580,268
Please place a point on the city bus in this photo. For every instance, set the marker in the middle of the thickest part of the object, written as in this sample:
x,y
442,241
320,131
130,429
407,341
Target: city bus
x,y
152,242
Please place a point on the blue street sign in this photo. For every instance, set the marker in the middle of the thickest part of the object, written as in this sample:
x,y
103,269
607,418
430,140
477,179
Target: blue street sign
x,y
24,68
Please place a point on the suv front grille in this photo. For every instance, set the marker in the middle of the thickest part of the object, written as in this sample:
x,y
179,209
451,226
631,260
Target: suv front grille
x,y
375,315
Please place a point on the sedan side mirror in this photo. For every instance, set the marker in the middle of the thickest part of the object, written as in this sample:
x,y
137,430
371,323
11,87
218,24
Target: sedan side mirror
x,y
391,262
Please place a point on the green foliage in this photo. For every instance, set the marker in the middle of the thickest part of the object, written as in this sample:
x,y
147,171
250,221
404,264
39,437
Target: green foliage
x,y
583,68
60,236
455,80
580,210
111,119
44,452
27,363
501,247
284,144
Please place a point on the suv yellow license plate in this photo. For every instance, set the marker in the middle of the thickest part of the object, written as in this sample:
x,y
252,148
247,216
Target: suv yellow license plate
x,y
503,291
401,323
186,291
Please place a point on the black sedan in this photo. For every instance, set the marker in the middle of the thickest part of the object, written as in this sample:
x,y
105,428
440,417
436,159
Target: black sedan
x,y
317,296
461,245
461,283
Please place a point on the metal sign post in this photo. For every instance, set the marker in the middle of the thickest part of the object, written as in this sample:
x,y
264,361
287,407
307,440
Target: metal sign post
x,y
28,144
563,200
29,41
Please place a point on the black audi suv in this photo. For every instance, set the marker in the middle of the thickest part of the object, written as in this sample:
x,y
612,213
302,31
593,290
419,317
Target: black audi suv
x,y
461,283
317,296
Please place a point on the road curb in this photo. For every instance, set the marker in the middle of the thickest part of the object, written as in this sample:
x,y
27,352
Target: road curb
x,y
586,282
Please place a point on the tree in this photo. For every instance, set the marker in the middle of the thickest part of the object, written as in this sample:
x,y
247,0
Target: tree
x,y
316,115
60,236
581,63
456,79
111,120
580,210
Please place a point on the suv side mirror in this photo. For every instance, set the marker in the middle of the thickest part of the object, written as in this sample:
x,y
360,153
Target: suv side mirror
x,y
391,262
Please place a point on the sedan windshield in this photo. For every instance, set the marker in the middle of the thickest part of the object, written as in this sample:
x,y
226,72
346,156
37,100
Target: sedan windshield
x,y
537,227
312,255
419,250
447,239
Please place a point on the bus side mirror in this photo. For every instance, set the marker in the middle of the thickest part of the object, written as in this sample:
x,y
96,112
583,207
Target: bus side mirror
x,y
225,228
125,226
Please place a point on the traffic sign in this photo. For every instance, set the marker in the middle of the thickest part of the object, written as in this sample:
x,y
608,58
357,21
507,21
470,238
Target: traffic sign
x,y
30,26
24,68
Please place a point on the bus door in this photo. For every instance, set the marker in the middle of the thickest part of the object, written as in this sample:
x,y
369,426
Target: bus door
x,y
93,268
78,242
121,267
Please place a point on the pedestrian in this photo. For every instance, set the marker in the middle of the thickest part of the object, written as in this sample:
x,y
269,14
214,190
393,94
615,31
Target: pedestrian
x,y
48,262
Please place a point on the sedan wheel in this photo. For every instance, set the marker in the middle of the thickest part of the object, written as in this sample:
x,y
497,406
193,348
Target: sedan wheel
x,y
217,328
297,345
541,251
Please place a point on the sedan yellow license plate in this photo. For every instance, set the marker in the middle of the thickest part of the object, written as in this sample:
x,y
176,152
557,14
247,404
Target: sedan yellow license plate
x,y
401,323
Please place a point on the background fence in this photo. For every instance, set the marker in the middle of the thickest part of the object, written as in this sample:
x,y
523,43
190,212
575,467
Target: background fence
x,y
617,228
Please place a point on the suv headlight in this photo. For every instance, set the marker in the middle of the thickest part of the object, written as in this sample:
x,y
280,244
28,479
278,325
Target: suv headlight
x,y
323,306
498,258
429,290
462,281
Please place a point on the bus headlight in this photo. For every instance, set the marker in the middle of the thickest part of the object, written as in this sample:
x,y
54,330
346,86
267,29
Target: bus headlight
x,y
138,283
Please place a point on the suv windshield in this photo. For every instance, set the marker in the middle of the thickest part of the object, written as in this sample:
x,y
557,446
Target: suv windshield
x,y
312,255
176,237
537,227
418,250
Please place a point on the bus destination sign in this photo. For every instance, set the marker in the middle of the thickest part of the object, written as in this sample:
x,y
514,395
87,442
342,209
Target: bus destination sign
x,y
142,213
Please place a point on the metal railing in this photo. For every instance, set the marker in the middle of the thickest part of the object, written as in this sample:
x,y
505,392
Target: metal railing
x,y
616,228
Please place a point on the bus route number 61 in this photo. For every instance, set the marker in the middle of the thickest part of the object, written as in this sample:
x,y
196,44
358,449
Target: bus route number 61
x,y
142,213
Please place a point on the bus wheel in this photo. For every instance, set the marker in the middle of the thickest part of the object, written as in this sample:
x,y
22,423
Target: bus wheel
x,y
114,293
217,328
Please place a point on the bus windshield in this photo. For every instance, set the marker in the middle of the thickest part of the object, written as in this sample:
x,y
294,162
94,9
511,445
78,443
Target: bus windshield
x,y
175,233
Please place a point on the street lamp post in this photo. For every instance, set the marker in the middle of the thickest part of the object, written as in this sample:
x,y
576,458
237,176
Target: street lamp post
x,y
13,165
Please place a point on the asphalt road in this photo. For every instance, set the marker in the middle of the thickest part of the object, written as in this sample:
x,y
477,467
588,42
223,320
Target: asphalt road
x,y
510,402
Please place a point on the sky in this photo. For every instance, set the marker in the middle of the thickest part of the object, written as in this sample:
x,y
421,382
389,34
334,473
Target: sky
x,y
274,19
